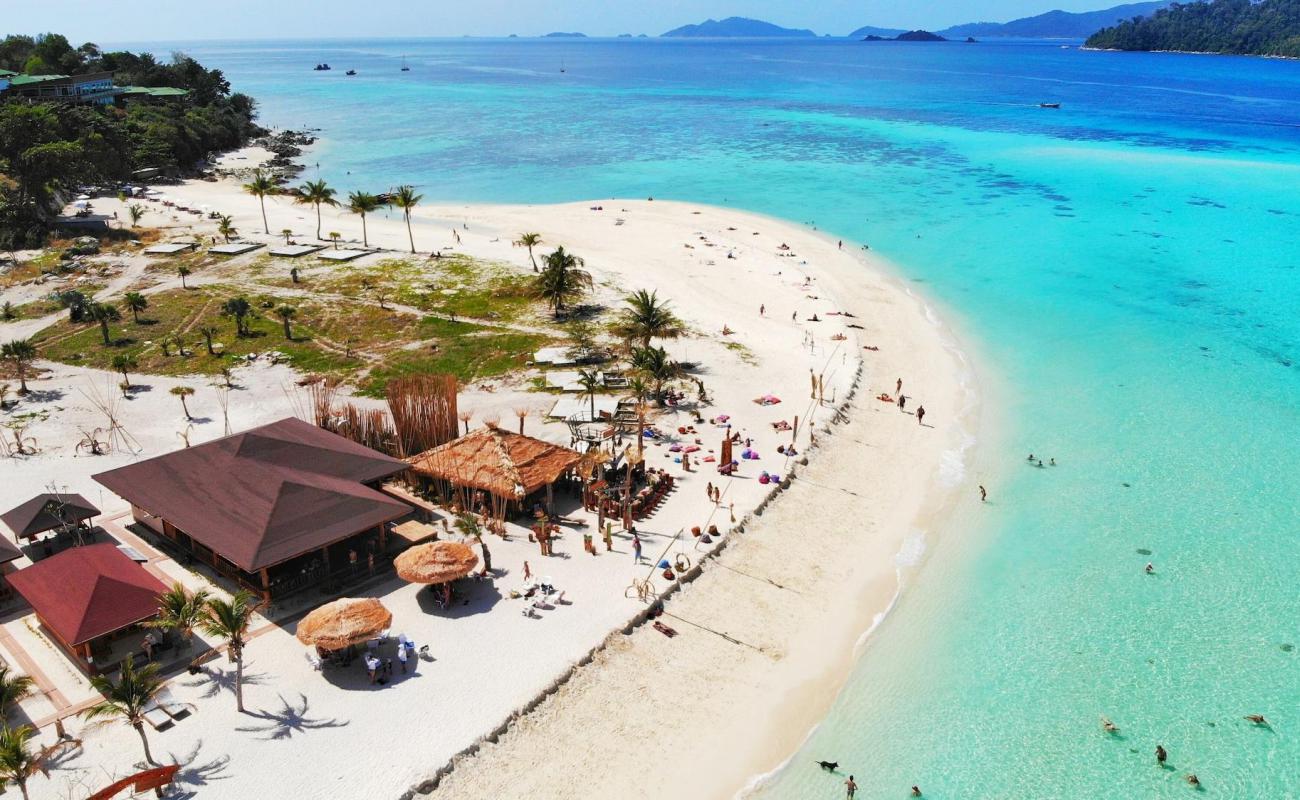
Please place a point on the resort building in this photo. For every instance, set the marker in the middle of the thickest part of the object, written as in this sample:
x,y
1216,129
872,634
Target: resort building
x,y
155,94
96,87
511,470
277,509
48,512
91,600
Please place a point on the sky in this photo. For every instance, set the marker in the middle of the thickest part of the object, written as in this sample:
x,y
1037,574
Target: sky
x,y
175,20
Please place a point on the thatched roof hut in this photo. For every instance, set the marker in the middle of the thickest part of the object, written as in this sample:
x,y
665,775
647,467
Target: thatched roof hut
x,y
507,465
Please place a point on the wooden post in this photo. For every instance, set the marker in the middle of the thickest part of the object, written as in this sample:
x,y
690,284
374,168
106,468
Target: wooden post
x,y
266,584
383,538
550,500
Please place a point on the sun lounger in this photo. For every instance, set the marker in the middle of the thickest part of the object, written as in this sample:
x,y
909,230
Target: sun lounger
x,y
171,706
156,717
315,661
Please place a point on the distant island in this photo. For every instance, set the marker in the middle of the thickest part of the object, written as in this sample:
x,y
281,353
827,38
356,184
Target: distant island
x,y
907,36
563,35
1056,24
1229,27
736,27
871,30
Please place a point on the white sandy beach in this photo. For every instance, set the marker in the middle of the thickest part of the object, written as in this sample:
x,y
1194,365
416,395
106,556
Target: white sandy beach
x,y
695,715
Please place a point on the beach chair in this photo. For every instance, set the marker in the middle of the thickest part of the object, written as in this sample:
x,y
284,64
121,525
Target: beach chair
x,y
171,706
314,660
156,717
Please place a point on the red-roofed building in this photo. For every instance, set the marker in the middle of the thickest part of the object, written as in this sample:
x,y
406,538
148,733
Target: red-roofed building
x,y
277,508
87,597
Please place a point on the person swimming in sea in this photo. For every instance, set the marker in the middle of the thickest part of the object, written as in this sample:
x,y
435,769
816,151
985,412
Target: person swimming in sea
x,y
1161,755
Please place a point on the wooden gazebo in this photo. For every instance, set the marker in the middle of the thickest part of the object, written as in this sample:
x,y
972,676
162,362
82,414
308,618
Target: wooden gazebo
x,y
508,467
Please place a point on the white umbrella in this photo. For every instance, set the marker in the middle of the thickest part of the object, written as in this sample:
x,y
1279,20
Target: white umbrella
x,y
83,197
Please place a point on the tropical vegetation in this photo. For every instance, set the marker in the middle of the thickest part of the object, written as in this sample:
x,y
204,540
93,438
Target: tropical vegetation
x,y
1239,27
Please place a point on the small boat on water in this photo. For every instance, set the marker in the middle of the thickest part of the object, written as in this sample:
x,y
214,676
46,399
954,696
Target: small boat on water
x,y
1049,105
321,67
404,67
350,72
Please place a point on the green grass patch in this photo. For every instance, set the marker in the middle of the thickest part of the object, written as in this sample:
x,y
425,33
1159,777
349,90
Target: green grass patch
x,y
470,352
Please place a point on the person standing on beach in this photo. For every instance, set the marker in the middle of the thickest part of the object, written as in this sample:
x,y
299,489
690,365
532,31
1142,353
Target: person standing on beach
x,y
528,572
636,548
898,386
920,414
984,495
902,402
762,309
850,788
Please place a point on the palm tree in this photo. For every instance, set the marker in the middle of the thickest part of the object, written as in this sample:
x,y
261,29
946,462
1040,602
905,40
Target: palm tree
x,y
646,317
183,392
529,240
226,226
178,609
103,314
285,313
17,761
13,688
135,303
229,620
208,331
239,308
182,271
361,204
124,363
260,186
127,698
657,367
287,233
136,212
589,380
22,353
334,237
562,280
406,199
638,388
316,193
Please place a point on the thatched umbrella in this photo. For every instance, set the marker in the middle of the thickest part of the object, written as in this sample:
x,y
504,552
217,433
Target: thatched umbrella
x,y
436,562
343,622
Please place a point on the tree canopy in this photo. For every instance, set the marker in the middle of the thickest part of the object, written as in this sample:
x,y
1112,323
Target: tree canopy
x,y
1240,27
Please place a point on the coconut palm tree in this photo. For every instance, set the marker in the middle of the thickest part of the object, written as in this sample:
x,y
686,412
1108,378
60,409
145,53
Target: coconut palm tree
x,y
334,237
18,763
229,620
127,698
21,353
640,390
562,280
260,186
361,204
136,212
646,317
179,609
406,199
589,380
135,303
124,363
207,332
103,314
657,368
287,233
226,226
13,688
183,392
286,313
239,308
529,240
315,193
183,271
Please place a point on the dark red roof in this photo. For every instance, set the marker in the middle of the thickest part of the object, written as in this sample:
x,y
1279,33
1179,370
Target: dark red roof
x,y
46,512
86,592
265,495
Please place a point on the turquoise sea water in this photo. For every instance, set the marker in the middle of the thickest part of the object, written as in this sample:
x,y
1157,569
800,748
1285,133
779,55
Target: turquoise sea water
x,y
1129,269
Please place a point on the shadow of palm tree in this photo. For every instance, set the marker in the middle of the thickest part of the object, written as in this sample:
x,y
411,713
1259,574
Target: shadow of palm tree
x,y
219,680
193,776
290,719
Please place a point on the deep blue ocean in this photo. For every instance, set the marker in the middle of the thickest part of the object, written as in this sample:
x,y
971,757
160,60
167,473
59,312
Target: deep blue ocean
x,y
1125,269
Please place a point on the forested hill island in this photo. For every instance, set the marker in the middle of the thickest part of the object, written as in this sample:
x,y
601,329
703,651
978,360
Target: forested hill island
x,y
1229,27
74,116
